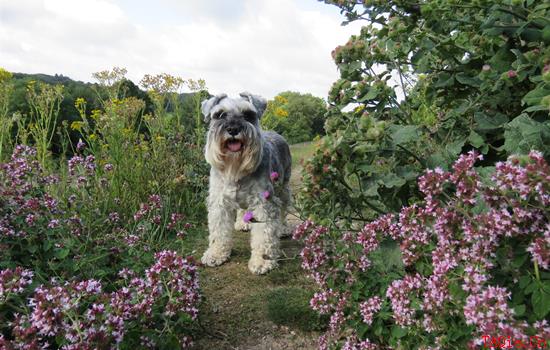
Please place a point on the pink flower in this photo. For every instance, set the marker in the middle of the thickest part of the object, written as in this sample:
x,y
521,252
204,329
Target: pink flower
x,y
274,176
369,308
248,216
80,145
512,74
266,195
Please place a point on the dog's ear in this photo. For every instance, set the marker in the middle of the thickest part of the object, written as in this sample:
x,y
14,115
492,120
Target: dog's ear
x,y
207,105
258,102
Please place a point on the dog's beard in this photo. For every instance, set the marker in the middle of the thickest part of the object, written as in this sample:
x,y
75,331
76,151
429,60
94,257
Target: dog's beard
x,y
235,158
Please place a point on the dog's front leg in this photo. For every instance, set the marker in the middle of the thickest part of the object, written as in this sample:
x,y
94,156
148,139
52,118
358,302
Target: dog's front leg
x,y
264,239
220,225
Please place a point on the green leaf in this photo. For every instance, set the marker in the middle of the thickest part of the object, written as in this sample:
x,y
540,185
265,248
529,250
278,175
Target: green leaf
x,y
536,108
378,329
445,80
455,147
392,180
47,245
464,79
487,123
541,303
520,260
475,139
530,288
404,134
535,96
523,134
398,332
372,190
524,281
519,310
61,253
373,92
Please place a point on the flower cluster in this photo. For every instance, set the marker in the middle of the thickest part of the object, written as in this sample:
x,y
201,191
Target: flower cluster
x,y
369,308
399,293
26,208
84,316
454,248
13,281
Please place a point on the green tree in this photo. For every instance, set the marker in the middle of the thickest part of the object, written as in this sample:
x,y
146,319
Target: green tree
x,y
298,117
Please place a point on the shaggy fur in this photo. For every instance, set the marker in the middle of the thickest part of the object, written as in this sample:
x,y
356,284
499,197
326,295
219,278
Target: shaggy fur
x,y
242,158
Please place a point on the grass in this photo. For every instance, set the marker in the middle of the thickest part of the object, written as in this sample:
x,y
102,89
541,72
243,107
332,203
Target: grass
x,y
300,152
289,306
238,306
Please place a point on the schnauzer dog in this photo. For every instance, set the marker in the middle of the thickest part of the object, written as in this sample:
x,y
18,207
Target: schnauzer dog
x,y
250,170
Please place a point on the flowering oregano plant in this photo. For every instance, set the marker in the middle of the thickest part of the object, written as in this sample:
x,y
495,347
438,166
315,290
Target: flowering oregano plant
x,y
470,261
83,315
52,226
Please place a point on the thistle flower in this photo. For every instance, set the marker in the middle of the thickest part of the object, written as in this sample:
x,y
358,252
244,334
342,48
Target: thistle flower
x,y
266,195
274,176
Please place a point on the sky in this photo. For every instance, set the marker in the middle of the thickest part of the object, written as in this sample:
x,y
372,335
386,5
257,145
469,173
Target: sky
x,y
261,46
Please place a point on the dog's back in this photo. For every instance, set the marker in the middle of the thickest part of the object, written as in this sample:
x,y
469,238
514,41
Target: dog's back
x,y
279,146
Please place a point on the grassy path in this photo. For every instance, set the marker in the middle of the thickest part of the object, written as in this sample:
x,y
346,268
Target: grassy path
x,y
245,311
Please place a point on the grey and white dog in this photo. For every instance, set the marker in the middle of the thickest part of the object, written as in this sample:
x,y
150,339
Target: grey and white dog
x,y
250,170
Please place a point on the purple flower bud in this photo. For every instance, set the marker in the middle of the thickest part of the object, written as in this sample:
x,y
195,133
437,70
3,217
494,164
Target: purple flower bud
x,y
80,145
274,176
512,74
248,216
266,195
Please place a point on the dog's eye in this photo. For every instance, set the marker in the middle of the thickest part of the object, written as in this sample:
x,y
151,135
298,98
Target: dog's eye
x,y
249,116
219,115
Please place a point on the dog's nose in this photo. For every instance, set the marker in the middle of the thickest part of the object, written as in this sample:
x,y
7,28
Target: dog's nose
x,y
233,130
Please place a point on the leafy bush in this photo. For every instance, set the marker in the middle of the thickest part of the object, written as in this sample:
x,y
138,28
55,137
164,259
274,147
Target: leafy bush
x,y
469,75
298,117
475,259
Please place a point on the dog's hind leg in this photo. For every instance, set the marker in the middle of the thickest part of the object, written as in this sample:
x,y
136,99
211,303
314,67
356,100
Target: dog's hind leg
x,y
221,220
264,239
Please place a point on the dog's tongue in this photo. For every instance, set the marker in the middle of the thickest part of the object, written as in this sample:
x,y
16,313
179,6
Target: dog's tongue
x,y
234,146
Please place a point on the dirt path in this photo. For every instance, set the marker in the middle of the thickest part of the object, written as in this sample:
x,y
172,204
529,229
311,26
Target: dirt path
x,y
245,311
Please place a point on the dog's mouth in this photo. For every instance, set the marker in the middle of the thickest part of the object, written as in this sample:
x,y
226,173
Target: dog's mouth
x,y
234,145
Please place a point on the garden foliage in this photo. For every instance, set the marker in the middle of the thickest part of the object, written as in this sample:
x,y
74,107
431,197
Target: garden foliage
x,y
92,239
422,83
410,258
474,259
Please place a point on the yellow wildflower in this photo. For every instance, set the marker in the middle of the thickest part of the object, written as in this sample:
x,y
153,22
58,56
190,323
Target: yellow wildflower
x,y
280,112
77,125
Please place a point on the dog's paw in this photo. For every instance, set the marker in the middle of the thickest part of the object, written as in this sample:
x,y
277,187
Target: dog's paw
x,y
214,257
242,226
259,265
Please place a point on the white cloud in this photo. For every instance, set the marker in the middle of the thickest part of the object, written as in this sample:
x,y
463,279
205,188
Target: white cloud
x,y
262,46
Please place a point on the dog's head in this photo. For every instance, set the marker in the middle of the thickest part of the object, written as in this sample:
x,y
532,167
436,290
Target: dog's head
x,y
234,143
